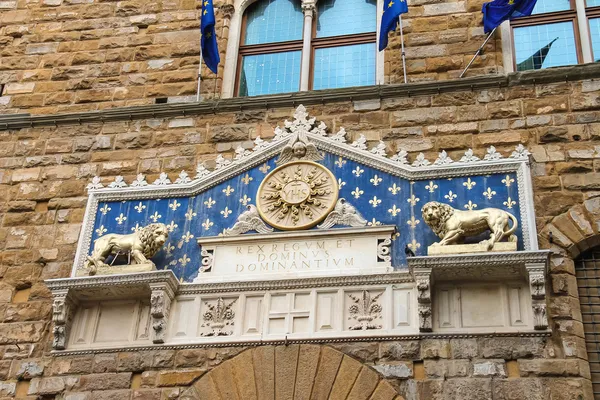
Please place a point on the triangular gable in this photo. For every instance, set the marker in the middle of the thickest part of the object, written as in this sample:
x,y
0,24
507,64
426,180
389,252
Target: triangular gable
x,y
386,191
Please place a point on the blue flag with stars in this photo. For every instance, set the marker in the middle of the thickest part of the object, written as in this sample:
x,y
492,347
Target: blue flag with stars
x,y
389,21
208,41
497,11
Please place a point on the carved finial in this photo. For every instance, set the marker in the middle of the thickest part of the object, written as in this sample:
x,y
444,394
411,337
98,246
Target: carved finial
x,y
162,180
183,178
520,153
360,143
492,154
95,184
469,157
400,157
139,181
420,161
443,159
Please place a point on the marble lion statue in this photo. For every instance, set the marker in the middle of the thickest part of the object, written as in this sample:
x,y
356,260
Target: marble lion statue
x,y
141,245
453,225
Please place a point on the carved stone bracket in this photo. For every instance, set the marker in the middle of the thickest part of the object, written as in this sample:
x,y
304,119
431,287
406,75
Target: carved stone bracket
x,y
159,287
160,307
63,307
537,284
423,282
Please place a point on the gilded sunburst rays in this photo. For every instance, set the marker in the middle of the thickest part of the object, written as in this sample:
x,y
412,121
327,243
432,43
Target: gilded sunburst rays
x,y
297,195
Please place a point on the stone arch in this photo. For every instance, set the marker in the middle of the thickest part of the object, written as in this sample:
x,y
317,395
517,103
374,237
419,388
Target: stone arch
x,y
576,230
299,372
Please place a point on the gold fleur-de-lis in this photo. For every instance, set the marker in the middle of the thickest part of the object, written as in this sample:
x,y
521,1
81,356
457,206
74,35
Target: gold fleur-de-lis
x,y
375,180
121,218
207,224
450,196
357,192
187,237
431,187
172,226
226,212
264,168
169,249
190,214
247,179
470,205
414,245
101,230
358,171
375,201
184,260
469,184
413,200
508,180
341,183
412,222
489,193
394,210
228,190
105,209
137,228
140,207
155,217
509,203
210,202
373,222
340,162
174,205
395,235
394,189
245,200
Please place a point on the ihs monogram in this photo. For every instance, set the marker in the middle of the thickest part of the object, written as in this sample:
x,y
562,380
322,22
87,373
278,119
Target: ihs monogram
x,y
297,195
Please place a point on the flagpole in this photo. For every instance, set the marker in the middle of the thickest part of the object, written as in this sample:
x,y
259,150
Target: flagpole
x,y
198,97
402,44
478,52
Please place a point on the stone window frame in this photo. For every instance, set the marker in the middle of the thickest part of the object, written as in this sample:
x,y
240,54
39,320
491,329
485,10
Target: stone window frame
x,y
578,14
308,7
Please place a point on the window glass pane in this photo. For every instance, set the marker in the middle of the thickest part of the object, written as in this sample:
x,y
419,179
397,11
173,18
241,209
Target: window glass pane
x,y
592,3
345,17
271,21
595,34
546,6
543,46
344,66
270,73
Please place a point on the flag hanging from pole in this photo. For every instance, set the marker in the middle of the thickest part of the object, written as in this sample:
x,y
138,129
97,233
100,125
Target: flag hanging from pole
x,y
537,59
208,39
497,11
389,21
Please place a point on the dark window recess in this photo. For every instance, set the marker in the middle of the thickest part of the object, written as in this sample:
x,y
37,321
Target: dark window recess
x,y
587,270
1,88
161,100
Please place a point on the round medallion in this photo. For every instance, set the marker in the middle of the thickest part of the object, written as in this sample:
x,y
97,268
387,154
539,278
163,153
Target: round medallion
x,y
297,195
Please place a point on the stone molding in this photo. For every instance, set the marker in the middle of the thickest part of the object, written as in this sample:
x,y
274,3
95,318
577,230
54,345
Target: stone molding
x,y
533,77
524,265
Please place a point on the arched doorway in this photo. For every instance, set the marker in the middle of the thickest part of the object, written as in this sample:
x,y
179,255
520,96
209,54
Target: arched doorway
x,y
587,270
298,372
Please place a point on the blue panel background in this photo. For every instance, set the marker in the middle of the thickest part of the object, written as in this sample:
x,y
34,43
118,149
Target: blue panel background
x,y
208,213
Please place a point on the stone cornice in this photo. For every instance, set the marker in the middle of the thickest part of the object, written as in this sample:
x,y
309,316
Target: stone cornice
x,y
562,74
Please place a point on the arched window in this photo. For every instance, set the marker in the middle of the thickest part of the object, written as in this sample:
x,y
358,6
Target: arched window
x,y
282,50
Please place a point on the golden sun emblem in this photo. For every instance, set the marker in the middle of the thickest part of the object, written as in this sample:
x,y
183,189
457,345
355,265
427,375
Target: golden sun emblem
x,y
297,195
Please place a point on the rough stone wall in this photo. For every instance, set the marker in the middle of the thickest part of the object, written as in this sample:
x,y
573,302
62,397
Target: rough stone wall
x,y
43,172
74,55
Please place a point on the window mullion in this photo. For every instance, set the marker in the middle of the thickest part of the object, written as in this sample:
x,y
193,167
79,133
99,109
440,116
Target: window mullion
x,y
584,32
309,11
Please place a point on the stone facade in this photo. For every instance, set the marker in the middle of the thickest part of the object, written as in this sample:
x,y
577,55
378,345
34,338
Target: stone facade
x,y
74,55
46,162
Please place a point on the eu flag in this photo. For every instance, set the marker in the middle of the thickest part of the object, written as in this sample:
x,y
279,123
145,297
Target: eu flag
x,y
208,41
389,21
497,11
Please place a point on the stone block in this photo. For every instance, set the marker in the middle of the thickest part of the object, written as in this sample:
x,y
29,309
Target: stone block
x,y
395,369
511,348
581,181
46,386
402,350
546,367
517,389
468,388
179,377
19,88
104,381
435,348
489,368
41,48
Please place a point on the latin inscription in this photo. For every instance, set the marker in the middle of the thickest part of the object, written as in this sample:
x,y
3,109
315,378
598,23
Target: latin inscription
x,y
295,256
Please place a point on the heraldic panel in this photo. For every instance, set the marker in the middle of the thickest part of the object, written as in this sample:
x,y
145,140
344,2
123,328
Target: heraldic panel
x,y
304,237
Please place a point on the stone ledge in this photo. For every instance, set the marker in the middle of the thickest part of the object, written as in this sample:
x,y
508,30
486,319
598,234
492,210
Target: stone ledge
x,y
559,74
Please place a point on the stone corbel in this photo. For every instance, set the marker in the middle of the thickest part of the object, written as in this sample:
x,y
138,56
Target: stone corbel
x,y
423,282
63,306
536,273
160,307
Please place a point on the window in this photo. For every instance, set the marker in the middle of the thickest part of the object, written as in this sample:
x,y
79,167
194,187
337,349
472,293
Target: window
x,y
281,50
552,35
